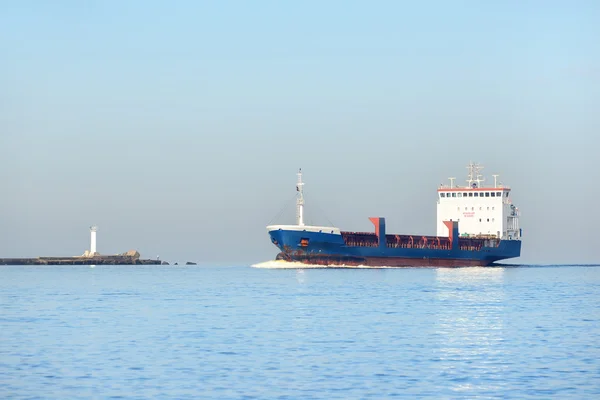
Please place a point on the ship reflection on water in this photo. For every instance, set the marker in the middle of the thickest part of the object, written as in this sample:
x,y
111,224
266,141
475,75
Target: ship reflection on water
x,y
469,327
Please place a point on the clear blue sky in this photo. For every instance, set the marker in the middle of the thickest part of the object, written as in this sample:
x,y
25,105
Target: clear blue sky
x,y
178,127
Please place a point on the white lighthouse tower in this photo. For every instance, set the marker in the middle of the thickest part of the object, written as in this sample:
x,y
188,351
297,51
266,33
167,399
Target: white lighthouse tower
x,y
93,230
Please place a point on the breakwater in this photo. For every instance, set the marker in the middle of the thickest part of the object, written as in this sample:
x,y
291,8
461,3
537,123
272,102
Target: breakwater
x,y
97,260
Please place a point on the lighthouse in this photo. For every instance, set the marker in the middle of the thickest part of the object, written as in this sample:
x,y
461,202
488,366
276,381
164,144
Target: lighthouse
x,y
93,230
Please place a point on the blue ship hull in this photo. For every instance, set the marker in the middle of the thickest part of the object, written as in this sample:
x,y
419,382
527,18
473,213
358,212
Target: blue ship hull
x,y
330,247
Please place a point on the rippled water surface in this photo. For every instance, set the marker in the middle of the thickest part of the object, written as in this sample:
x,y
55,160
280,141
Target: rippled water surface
x,y
242,332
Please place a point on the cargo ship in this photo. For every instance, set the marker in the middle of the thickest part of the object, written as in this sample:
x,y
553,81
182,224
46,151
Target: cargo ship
x,y
477,225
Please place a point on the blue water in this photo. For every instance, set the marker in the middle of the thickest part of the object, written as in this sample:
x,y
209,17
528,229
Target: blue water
x,y
242,332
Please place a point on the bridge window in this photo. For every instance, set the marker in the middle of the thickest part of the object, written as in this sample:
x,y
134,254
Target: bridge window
x,y
470,194
493,194
506,194
464,195
442,195
476,194
499,194
459,194
453,194
487,194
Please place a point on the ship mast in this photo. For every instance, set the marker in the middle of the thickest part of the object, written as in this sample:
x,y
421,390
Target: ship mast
x,y
474,178
300,200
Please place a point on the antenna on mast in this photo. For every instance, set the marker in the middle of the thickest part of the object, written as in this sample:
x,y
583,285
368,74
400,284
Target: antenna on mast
x,y
300,200
474,177
495,180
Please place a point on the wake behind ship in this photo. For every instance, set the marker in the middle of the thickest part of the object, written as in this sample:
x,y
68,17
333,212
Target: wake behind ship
x,y
476,226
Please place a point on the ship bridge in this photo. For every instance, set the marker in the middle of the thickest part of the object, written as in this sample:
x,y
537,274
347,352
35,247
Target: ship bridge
x,y
481,210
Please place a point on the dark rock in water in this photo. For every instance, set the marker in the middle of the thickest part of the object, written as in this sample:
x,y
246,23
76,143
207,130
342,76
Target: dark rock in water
x,y
175,264
190,263
164,263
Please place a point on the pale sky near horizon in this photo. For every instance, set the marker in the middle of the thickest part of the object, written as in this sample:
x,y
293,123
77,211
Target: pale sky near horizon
x,y
178,127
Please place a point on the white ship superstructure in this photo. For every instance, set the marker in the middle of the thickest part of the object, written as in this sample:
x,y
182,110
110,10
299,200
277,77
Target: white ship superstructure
x,y
481,210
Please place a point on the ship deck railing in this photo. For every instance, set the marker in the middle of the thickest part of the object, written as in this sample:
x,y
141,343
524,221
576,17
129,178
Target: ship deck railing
x,y
370,239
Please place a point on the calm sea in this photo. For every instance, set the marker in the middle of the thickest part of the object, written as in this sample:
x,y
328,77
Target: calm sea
x,y
241,332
